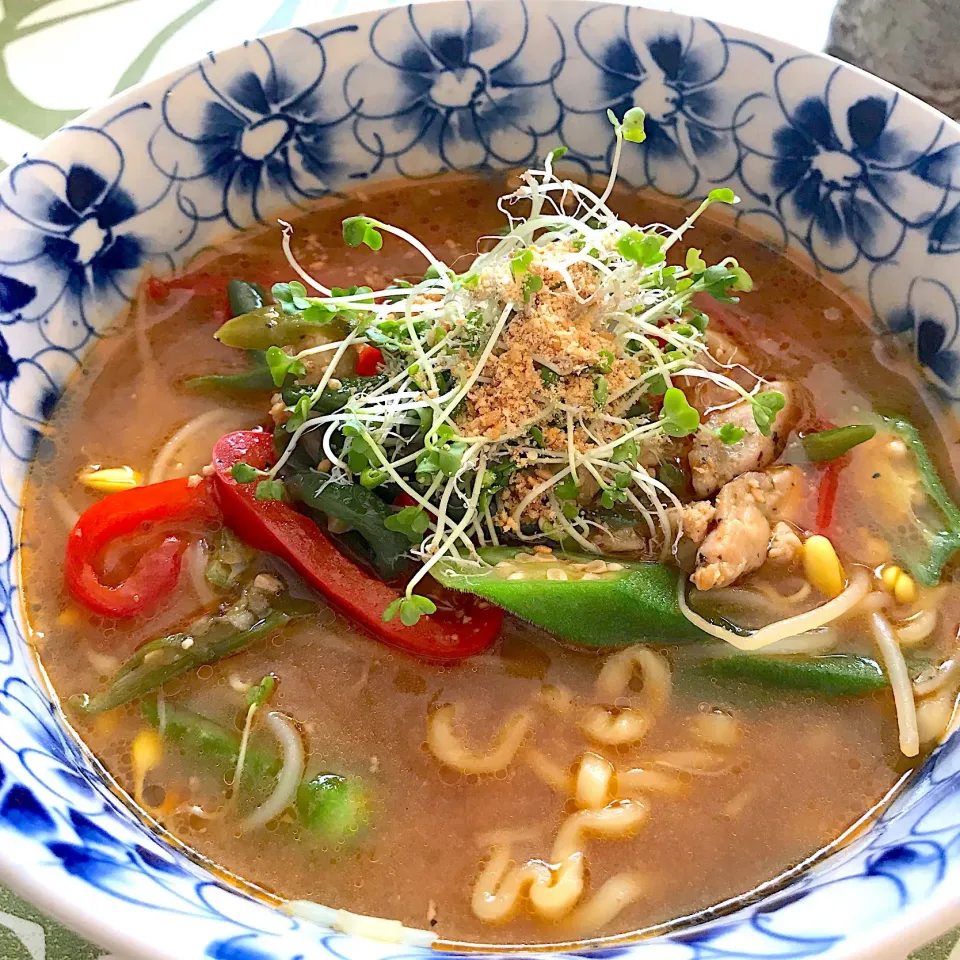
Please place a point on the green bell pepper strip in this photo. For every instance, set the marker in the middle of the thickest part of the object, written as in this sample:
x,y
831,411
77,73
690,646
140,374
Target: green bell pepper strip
x,y
268,326
329,805
636,604
244,297
830,675
362,509
257,379
164,659
935,522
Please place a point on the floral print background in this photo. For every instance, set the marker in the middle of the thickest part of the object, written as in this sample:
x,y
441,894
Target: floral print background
x,y
104,46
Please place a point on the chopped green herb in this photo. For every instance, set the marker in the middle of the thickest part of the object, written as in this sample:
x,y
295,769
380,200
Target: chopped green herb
x,y
730,433
244,473
766,406
410,521
271,490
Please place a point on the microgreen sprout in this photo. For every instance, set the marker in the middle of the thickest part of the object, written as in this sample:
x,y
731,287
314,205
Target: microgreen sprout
x,y
416,427
730,433
361,230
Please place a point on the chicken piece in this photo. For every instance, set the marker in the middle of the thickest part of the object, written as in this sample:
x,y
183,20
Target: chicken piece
x,y
714,463
695,520
738,543
785,545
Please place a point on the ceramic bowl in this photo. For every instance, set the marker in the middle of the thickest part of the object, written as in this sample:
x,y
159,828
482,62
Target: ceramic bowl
x,y
861,178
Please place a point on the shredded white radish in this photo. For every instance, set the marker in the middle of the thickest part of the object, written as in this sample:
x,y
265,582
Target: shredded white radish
x,y
857,588
899,677
291,773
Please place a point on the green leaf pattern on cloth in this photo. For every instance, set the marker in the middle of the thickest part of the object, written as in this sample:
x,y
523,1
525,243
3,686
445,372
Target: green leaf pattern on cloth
x,y
80,37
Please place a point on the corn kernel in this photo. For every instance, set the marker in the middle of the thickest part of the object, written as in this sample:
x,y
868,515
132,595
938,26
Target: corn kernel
x,y
822,566
905,589
110,479
889,576
69,617
145,754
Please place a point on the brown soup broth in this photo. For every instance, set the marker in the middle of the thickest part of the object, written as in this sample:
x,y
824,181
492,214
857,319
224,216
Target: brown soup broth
x,y
802,770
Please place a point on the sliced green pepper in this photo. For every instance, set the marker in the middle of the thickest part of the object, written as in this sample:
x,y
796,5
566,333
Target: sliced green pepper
x,y
830,444
268,326
832,675
363,510
257,378
930,534
244,297
205,641
633,603
329,805
330,401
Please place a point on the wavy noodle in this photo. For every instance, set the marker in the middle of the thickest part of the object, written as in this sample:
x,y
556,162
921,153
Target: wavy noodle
x,y
553,890
642,780
716,728
605,905
549,771
557,699
917,628
501,885
613,725
594,782
934,679
934,715
700,763
446,746
164,465
65,510
857,588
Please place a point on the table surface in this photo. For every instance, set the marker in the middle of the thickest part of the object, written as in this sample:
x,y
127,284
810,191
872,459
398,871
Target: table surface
x,y
80,37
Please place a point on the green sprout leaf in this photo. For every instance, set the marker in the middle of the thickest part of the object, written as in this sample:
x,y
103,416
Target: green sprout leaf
x,y
410,521
633,125
626,452
556,154
300,414
450,456
537,436
531,284
411,609
567,488
605,360
361,230
282,365
292,296
601,391
678,418
549,377
258,694
642,248
722,195
730,433
694,262
766,406
244,473
271,490
520,263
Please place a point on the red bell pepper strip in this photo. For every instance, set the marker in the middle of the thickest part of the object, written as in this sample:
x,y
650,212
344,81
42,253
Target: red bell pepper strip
x,y
461,627
827,494
369,362
121,515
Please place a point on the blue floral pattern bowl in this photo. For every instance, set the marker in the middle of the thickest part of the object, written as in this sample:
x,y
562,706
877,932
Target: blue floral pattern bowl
x,y
861,178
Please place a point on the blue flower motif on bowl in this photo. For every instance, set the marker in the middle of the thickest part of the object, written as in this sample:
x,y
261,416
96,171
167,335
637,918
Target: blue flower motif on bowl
x,y
234,142
676,74
72,240
926,314
841,167
459,92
